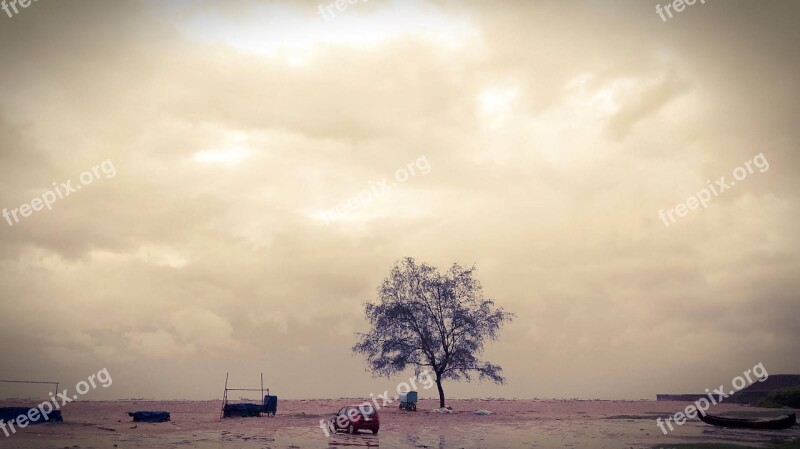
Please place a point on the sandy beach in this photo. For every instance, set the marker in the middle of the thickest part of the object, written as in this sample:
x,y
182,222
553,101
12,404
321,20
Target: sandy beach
x,y
514,424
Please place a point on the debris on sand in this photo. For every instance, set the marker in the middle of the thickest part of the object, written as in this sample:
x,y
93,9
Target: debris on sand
x,y
149,416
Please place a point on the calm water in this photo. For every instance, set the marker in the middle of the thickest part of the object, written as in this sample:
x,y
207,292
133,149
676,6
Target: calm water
x,y
595,434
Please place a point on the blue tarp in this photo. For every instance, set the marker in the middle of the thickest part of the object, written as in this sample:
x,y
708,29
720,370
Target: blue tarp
x,y
270,404
8,414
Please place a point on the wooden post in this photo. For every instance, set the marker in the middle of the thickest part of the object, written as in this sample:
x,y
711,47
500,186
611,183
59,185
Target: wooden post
x,y
224,397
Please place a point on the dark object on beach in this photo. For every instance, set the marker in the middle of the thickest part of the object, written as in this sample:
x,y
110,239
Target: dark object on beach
x,y
250,410
149,416
408,401
8,414
270,404
783,422
242,410
246,409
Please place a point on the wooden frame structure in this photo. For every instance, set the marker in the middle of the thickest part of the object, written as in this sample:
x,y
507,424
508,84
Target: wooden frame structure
x,y
31,382
225,393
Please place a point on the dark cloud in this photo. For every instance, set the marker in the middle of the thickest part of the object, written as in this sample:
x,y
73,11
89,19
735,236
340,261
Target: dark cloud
x,y
556,131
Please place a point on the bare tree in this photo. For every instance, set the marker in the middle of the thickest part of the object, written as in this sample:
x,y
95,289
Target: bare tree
x,y
428,319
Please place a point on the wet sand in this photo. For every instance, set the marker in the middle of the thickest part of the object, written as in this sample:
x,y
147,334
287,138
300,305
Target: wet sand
x,y
515,424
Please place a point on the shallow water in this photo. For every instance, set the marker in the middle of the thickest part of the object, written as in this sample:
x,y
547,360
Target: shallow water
x,y
514,424
596,434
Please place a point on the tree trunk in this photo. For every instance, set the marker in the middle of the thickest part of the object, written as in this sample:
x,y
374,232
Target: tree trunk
x,y
441,391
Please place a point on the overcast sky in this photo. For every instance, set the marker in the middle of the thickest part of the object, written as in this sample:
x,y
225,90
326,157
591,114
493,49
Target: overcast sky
x,y
553,134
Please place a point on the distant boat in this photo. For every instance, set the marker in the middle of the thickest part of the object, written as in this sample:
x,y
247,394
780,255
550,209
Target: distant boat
x,y
780,423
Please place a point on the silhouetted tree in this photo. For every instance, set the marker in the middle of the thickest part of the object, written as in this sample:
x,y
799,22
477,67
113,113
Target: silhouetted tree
x,y
427,319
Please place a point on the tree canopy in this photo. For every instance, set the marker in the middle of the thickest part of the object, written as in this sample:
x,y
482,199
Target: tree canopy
x,y
427,319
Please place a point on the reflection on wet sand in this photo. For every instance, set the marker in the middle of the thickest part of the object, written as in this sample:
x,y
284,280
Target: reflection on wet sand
x,y
515,424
